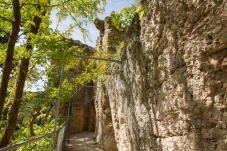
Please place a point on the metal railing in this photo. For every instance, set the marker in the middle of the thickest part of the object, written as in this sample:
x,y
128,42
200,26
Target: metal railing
x,y
63,131
63,136
95,58
15,146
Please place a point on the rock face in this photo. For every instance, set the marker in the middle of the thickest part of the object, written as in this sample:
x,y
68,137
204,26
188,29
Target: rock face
x,y
82,111
107,42
171,94
82,116
109,37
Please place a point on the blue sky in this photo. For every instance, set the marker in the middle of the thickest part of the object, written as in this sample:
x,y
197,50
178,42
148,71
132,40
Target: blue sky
x,y
112,5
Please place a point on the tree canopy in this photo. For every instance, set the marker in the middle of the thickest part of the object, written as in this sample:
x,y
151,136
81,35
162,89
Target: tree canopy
x,y
28,44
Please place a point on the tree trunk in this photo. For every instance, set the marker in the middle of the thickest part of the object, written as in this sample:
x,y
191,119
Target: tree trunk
x,y
7,67
19,89
34,116
47,113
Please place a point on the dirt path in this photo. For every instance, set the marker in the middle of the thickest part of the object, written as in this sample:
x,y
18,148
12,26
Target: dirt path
x,y
82,142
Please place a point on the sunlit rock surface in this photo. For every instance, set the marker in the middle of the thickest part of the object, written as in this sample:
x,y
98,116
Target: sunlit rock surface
x,y
171,94
107,42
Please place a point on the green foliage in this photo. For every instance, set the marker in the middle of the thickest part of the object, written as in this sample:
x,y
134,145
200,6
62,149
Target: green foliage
x,y
2,53
41,145
33,100
140,10
123,19
48,48
4,37
116,56
23,134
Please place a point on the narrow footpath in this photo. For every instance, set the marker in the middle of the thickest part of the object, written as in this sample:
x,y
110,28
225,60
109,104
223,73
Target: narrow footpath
x,y
83,141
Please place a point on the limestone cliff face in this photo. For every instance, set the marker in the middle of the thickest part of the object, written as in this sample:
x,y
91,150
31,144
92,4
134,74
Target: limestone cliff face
x,y
107,42
171,94
82,112
82,109
109,37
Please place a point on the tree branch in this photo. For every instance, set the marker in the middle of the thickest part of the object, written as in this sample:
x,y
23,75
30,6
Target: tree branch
x,y
74,19
59,4
6,19
24,4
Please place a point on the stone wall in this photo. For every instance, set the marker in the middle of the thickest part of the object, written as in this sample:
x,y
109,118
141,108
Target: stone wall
x,y
171,94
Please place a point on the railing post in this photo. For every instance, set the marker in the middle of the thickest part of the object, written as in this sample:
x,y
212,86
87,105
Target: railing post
x,y
63,136
57,104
